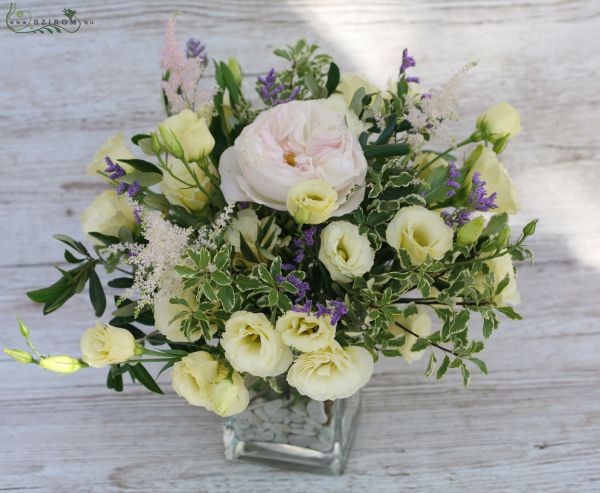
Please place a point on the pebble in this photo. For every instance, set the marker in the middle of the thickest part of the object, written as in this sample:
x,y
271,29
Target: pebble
x,y
277,420
316,410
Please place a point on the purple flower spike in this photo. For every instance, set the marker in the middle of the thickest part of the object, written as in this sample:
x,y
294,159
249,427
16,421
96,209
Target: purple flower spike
x,y
453,175
195,49
269,90
137,213
477,198
416,80
122,188
114,169
309,236
407,61
134,189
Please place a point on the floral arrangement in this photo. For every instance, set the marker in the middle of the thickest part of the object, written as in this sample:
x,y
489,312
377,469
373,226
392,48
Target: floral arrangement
x,y
292,237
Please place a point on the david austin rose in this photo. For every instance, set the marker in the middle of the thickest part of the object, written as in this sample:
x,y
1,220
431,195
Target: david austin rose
x,y
304,331
291,143
115,149
107,214
311,201
501,267
179,193
345,252
499,124
105,345
331,373
420,232
246,224
252,345
496,178
420,324
187,133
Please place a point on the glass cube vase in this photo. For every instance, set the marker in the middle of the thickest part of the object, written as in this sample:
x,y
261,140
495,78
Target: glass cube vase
x,y
293,431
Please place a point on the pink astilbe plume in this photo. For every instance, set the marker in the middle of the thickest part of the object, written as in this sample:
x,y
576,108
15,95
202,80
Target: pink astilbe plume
x,y
184,72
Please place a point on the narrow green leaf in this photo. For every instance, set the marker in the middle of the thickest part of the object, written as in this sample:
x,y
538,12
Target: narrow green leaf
x,y
97,296
121,282
333,79
74,244
141,374
141,165
443,368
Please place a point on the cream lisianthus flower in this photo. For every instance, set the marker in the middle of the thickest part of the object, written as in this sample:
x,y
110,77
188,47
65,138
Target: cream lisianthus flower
x,y
331,373
345,252
304,331
193,376
420,232
420,324
229,395
165,311
252,345
291,143
247,224
501,267
105,345
107,214
350,83
115,149
186,133
485,162
311,201
500,123
425,157
179,193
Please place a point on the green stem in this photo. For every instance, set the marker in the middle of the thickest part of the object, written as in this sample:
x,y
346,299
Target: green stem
x,y
439,155
442,348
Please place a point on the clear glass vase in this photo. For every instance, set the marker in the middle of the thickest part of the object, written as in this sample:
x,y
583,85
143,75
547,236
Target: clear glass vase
x,y
293,431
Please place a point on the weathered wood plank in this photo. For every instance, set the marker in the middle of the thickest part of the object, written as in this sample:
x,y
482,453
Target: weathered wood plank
x,y
532,425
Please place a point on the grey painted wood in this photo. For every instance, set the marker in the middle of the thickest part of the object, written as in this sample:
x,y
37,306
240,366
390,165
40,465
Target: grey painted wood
x,y
532,425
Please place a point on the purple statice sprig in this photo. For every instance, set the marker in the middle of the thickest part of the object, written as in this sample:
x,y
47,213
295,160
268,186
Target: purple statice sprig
x,y
452,183
336,309
115,171
478,200
271,91
195,49
408,62
301,286
132,190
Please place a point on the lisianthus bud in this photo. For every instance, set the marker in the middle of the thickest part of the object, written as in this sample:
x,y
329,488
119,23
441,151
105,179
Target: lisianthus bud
x,y
155,143
236,70
186,136
470,232
499,124
20,356
62,364
311,201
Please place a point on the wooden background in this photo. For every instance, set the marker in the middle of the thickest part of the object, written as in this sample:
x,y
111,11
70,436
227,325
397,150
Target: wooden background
x,y
532,425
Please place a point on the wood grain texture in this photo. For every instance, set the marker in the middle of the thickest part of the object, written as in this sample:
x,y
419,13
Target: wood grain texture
x,y
532,425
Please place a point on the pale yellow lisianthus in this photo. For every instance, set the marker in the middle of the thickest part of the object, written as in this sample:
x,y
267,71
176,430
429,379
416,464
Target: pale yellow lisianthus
x,y
311,201
115,149
345,252
421,232
419,324
501,267
252,345
332,372
105,345
180,188
188,133
494,174
500,123
351,82
247,224
304,331
107,214
229,394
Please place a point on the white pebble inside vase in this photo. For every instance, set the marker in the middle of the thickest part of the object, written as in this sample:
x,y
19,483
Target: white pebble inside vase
x,y
293,431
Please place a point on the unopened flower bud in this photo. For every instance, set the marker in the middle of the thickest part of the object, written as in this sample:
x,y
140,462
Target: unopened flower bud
x,y
155,143
20,356
62,364
236,70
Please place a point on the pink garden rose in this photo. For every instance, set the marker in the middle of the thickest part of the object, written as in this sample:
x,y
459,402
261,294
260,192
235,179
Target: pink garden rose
x,y
290,143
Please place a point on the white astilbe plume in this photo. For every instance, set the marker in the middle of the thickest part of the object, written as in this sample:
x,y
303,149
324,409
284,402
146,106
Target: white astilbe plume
x,y
427,113
154,261
208,235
